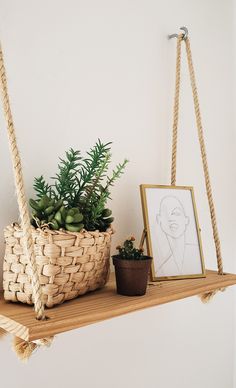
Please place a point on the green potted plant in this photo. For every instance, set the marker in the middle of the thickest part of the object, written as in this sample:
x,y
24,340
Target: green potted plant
x,y
71,229
131,269
76,199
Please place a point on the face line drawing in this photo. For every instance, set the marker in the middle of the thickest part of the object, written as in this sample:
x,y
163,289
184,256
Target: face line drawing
x,y
173,222
172,218
172,232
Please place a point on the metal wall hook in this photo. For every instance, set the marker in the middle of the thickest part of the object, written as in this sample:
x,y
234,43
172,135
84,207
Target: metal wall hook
x,y
185,35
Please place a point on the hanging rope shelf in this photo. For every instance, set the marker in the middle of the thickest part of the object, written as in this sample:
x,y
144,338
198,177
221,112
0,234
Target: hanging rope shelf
x,y
35,328
101,305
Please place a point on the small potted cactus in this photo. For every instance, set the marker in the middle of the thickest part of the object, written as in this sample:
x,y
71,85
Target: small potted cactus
x,y
131,269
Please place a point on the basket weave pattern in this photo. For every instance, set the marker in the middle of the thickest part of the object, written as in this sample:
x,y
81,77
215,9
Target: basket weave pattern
x,y
69,264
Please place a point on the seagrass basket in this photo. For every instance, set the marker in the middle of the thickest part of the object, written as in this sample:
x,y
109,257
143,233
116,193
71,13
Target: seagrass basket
x,y
69,264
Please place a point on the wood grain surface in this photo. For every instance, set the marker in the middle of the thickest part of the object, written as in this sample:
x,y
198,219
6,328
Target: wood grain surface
x,y
19,319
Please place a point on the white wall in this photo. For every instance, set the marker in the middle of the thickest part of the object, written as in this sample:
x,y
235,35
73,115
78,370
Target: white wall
x,y
79,70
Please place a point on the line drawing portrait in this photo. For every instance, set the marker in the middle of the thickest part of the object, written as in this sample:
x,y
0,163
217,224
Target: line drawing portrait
x,y
174,222
173,236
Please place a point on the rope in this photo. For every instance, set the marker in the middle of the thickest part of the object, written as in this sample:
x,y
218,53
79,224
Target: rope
x,y
20,192
204,159
201,141
176,111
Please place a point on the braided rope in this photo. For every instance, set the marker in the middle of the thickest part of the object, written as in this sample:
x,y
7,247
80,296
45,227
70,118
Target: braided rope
x,y
201,141
204,159
176,111
20,192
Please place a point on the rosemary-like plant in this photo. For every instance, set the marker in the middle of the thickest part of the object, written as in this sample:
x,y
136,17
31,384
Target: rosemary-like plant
x,y
83,183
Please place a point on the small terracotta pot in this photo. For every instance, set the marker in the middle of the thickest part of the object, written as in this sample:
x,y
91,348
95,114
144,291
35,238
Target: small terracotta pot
x,y
131,275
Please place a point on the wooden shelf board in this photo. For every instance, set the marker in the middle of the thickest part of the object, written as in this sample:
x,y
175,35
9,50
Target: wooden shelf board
x,y
19,319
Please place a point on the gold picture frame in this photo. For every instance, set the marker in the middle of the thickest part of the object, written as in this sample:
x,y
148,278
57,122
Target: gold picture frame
x,y
175,232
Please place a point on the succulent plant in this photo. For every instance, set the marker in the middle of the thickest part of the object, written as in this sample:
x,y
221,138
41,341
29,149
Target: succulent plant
x,y
69,219
52,213
105,219
98,221
44,209
128,251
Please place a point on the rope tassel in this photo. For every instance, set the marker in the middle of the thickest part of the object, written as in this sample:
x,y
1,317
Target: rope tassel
x,y
208,296
25,349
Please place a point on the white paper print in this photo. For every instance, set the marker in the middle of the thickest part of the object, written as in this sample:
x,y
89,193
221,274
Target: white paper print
x,y
173,231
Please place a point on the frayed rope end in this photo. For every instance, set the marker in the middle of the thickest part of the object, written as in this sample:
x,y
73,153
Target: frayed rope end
x,y
208,296
25,349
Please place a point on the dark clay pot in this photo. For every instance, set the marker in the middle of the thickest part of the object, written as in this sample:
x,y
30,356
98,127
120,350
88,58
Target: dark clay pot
x,y
131,275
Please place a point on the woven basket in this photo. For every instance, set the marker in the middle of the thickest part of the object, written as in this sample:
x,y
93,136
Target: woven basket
x,y
69,264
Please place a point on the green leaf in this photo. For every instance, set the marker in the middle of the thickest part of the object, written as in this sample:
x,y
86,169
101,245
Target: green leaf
x,y
41,187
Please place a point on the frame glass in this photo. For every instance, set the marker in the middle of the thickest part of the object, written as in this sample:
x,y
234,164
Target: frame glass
x,y
173,233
